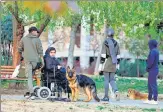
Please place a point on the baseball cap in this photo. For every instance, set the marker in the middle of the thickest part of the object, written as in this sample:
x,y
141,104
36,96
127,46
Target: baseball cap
x,y
33,29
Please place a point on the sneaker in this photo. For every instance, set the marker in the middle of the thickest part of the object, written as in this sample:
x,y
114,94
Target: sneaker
x,y
153,102
32,97
27,95
117,96
147,101
105,99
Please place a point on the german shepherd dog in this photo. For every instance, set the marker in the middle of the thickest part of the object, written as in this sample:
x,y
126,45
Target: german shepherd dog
x,y
81,81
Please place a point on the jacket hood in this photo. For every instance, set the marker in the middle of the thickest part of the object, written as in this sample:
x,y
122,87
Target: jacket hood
x,y
31,36
152,44
48,50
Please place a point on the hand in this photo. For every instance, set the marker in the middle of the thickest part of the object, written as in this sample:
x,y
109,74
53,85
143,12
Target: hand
x,y
21,59
59,66
101,73
42,62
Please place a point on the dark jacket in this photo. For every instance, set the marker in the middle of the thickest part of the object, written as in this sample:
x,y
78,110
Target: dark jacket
x,y
50,64
153,57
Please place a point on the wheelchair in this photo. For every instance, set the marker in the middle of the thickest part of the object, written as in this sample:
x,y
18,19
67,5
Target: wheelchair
x,y
52,85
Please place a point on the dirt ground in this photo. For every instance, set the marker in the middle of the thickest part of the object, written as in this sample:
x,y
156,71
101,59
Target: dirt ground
x,y
47,106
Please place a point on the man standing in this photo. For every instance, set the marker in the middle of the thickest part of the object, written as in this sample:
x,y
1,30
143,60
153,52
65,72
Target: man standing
x,y
108,61
153,70
31,47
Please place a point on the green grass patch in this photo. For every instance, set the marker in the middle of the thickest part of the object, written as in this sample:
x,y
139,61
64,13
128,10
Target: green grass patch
x,y
125,83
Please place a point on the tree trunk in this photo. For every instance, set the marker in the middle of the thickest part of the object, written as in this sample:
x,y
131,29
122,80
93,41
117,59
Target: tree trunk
x,y
17,34
99,54
94,52
84,43
71,46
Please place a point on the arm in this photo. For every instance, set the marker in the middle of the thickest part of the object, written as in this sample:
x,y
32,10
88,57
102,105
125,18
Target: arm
x,y
103,53
39,48
40,51
151,59
102,57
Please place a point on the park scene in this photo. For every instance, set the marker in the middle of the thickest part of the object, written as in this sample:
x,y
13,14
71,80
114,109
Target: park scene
x,y
75,56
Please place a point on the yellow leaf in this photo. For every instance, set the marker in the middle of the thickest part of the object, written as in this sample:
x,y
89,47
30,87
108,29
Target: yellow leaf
x,y
33,5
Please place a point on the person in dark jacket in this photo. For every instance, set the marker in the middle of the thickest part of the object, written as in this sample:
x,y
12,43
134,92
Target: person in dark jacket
x,y
51,64
153,70
50,59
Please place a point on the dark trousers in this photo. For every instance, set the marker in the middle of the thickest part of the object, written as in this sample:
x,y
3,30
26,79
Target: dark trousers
x,y
152,85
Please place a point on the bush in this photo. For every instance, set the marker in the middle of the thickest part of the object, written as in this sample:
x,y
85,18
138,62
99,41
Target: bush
x,y
129,69
160,74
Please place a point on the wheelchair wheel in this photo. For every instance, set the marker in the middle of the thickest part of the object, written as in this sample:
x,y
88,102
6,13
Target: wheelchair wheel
x,y
44,93
35,89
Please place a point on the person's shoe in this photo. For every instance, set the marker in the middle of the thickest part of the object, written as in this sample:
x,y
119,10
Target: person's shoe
x,y
105,99
117,96
32,97
147,101
153,102
27,95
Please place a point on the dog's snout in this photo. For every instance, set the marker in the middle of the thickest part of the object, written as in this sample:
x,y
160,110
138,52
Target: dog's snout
x,y
70,74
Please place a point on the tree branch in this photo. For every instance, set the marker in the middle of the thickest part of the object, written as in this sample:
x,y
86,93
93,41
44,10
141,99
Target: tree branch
x,y
43,26
16,9
30,22
13,13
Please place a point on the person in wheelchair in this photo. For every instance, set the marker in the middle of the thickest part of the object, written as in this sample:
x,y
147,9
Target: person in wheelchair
x,y
54,73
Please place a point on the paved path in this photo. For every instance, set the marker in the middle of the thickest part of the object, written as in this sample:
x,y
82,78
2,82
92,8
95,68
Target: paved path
x,y
131,103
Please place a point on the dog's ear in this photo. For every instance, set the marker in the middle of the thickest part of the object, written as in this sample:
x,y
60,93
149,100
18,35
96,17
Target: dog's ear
x,y
68,68
129,90
73,68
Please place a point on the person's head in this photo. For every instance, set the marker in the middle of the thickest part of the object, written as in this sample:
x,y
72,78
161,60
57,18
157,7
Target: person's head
x,y
152,44
33,30
110,32
52,52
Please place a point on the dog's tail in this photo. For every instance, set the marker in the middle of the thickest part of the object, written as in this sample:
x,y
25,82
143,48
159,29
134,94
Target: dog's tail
x,y
94,93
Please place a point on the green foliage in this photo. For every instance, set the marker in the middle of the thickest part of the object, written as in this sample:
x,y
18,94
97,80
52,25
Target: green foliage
x,y
139,48
6,40
161,71
129,69
7,28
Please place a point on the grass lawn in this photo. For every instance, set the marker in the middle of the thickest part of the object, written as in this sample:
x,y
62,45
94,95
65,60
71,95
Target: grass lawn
x,y
124,84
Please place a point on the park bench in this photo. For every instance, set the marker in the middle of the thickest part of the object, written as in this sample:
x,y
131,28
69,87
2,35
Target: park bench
x,y
6,75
